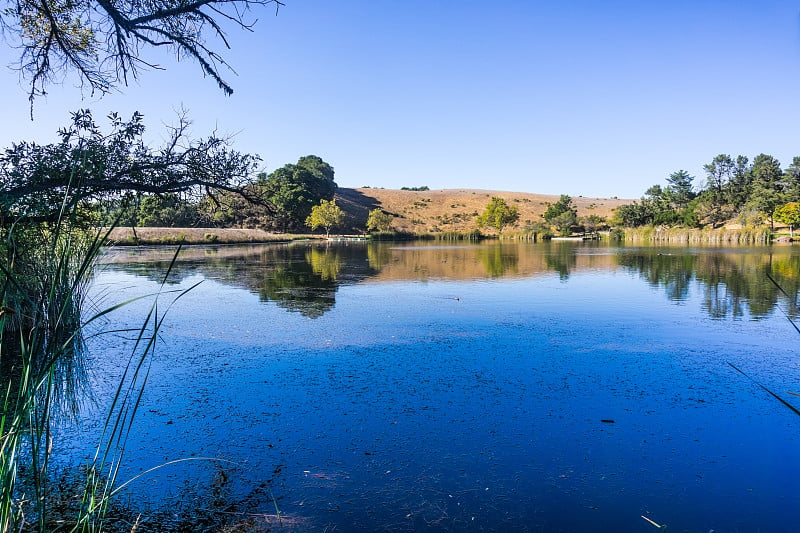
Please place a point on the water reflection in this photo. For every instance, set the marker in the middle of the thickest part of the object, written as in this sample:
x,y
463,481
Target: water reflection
x,y
733,281
499,260
562,258
673,271
298,278
304,277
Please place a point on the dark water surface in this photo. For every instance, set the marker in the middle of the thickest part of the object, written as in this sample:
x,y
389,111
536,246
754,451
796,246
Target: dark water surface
x,y
535,387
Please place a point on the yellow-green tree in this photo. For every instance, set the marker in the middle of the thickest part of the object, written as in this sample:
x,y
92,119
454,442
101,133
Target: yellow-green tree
x,y
326,215
789,214
379,220
498,214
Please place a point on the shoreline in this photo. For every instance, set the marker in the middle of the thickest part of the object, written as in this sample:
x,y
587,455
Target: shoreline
x,y
148,236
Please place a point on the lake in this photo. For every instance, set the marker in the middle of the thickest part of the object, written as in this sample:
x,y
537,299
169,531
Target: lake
x,y
491,387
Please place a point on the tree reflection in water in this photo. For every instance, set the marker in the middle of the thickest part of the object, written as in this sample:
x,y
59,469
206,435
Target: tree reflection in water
x,y
304,277
734,281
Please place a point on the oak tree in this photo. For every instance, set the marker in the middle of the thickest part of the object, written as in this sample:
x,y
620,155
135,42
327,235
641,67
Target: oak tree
x,y
326,215
39,183
498,214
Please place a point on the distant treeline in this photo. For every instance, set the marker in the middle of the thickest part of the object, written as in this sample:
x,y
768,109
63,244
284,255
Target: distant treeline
x,y
750,194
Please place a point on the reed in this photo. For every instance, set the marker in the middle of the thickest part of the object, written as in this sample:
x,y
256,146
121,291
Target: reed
x,y
705,236
523,236
44,274
472,236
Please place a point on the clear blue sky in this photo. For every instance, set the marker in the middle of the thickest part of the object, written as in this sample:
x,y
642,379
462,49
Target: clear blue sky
x,y
578,97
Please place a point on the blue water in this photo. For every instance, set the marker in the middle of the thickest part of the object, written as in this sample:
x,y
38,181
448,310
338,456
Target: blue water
x,y
577,396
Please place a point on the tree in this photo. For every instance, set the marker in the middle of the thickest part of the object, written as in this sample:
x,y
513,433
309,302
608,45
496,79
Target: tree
x,y
791,180
563,204
562,215
789,214
498,214
326,215
379,220
102,40
766,192
714,199
40,182
565,222
679,191
592,222
739,183
293,190
166,210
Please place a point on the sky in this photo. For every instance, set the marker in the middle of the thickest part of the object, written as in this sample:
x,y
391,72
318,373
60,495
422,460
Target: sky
x,y
586,98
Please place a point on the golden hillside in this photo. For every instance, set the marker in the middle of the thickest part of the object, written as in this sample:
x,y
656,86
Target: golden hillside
x,y
454,209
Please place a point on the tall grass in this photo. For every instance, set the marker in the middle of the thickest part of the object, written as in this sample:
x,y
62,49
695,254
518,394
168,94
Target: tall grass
x,y
471,236
679,236
523,236
45,272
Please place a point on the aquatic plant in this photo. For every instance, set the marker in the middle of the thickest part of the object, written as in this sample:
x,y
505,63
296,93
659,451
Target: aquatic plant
x,y
44,277
45,274
665,235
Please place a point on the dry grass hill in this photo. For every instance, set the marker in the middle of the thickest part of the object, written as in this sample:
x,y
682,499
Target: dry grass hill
x,y
414,212
453,209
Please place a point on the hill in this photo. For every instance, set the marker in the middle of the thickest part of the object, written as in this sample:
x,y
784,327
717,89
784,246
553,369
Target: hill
x,y
453,209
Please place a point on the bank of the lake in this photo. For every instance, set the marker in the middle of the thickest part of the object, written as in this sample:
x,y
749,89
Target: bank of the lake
x,y
149,236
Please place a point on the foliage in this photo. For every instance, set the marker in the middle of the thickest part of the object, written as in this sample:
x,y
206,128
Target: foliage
x,y
563,205
679,191
734,189
592,223
166,210
293,190
670,206
102,41
379,220
422,188
40,182
326,215
473,235
707,235
49,195
562,215
498,214
789,214
564,222
617,235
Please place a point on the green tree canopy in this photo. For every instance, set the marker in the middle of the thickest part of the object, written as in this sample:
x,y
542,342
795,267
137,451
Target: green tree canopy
x,y
165,210
563,205
326,215
789,214
293,190
562,215
38,182
498,214
379,220
679,191
766,192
